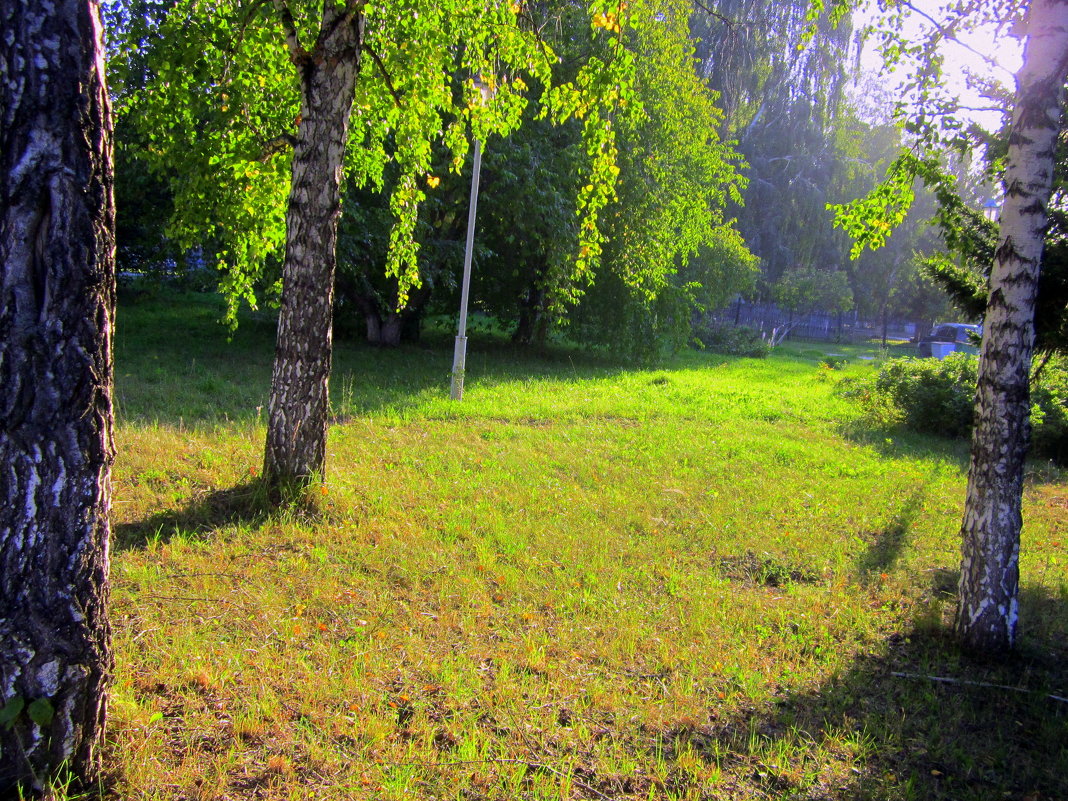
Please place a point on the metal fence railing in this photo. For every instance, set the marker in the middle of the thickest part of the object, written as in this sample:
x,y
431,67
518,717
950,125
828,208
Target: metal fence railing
x,y
774,322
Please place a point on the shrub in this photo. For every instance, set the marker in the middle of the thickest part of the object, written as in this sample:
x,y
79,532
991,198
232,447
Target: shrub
x,y
1049,411
832,362
934,396
732,340
931,396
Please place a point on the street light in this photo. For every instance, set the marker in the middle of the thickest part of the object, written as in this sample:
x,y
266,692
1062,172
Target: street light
x,y
992,210
459,353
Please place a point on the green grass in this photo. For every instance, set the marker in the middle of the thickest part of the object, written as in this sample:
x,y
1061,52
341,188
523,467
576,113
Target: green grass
x,y
585,581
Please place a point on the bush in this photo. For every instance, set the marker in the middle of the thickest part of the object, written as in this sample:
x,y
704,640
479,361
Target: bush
x,y
832,362
732,340
931,396
1049,411
934,396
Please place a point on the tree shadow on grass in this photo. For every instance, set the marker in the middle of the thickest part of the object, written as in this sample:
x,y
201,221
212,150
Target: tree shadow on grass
x,y
886,545
896,442
917,719
244,504
199,380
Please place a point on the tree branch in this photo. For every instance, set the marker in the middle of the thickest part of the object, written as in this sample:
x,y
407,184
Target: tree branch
x,y
240,37
277,145
385,73
351,11
947,33
947,680
716,14
297,54
961,107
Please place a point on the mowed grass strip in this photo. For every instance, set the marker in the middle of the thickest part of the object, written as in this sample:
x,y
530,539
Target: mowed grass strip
x,y
697,582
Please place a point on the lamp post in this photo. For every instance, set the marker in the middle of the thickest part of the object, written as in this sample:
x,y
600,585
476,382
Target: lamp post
x,y
459,353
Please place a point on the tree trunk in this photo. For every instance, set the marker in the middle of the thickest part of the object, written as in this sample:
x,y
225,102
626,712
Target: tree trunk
x,y
57,295
412,314
531,310
373,322
298,407
989,580
392,326
398,326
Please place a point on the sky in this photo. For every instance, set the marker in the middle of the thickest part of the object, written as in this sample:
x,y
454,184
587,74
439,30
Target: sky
x,y
959,59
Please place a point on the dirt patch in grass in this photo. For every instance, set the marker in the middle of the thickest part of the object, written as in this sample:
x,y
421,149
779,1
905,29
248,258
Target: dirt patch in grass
x,y
765,570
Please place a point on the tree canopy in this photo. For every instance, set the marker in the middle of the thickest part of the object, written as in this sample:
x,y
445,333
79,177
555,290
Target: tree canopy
x,y
220,106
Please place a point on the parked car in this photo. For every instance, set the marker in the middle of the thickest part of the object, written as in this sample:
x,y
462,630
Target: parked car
x,y
946,338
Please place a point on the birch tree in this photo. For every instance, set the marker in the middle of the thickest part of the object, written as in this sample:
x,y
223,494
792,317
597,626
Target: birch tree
x,y
254,102
57,287
989,582
987,611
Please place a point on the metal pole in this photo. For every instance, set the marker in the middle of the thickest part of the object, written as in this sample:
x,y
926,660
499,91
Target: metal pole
x,y
459,354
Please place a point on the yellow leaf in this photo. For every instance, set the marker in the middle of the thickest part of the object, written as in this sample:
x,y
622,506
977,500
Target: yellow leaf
x,y
432,181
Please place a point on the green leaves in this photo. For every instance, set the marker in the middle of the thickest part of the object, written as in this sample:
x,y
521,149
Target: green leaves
x,y
677,174
11,711
223,92
40,711
870,220
667,249
809,289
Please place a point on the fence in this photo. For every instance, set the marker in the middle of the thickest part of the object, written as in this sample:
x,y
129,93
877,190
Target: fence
x,y
771,321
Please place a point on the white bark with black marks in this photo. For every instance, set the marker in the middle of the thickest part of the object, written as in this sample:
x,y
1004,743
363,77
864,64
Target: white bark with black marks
x,y
299,402
57,290
989,582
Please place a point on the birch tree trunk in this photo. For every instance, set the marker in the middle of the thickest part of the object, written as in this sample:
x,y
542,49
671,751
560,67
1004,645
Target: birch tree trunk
x,y
57,291
299,402
989,579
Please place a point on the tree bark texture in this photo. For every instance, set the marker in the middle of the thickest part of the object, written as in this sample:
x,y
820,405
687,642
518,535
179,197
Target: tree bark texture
x,y
299,402
989,581
57,292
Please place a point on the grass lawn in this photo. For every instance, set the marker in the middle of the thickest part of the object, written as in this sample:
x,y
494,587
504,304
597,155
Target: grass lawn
x,y
707,581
